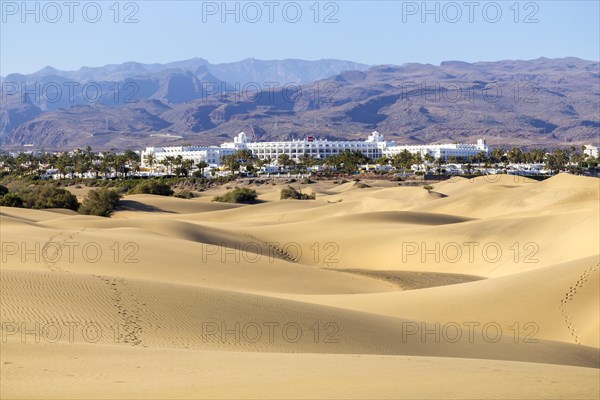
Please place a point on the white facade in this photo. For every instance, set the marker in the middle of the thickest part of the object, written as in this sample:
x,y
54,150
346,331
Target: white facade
x,y
590,150
318,148
374,147
442,151
211,155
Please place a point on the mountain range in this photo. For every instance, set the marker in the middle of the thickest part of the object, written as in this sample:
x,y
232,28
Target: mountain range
x,y
542,102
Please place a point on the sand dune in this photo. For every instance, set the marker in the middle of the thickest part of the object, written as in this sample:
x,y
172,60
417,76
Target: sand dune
x,y
33,215
556,303
380,292
134,253
492,196
128,372
160,315
150,203
484,247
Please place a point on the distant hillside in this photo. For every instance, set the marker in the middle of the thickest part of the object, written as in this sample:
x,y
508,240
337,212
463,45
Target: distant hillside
x,y
546,102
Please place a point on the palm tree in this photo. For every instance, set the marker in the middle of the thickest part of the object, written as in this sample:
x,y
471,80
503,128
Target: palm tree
x,y
132,159
178,162
403,160
429,159
496,156
169,160
231,162
93,161
572,150
383,160
418,158
306,161
62,162
120,162
515,155
186,167
469,168
201,165
8,162
577,159
49,160
33,165
81,162
106,162
22,162
557,160
537,155
284,160
481,157
95,167
150,160
439,162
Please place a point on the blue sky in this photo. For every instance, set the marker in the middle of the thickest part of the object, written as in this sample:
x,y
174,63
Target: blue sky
x,y
372,32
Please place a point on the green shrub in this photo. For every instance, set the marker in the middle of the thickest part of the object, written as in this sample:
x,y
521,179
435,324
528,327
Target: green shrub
x,y
245,195
101,202
3,190
11,200
362,186
152,187
49,197
123,187
291,193
185,194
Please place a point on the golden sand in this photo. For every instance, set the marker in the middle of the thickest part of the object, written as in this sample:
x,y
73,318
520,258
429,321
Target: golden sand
x,y
483,288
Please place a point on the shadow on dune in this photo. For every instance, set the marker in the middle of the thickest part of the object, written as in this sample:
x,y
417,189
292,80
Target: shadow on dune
x,y
411,280
437,195
132,205
403,217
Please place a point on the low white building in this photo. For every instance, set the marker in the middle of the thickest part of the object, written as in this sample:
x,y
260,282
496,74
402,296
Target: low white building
x,y
211,155
442,151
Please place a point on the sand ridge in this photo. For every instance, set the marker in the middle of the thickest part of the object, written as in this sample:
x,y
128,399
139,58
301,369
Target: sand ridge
x,y
218,294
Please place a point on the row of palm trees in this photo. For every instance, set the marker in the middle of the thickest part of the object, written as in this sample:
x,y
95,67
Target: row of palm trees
x,y
347,161
558,160
175,164
81,162
78,163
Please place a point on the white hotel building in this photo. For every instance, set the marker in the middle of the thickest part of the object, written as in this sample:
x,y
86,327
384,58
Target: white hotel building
x,y
211,155
320,149
374,147
442,151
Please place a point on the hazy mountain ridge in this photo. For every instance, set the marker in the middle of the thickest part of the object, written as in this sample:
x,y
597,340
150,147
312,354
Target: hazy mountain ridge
x,y
543,102
176,82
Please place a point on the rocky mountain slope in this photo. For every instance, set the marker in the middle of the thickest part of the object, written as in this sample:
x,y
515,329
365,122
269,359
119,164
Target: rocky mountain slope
x,y
547,102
